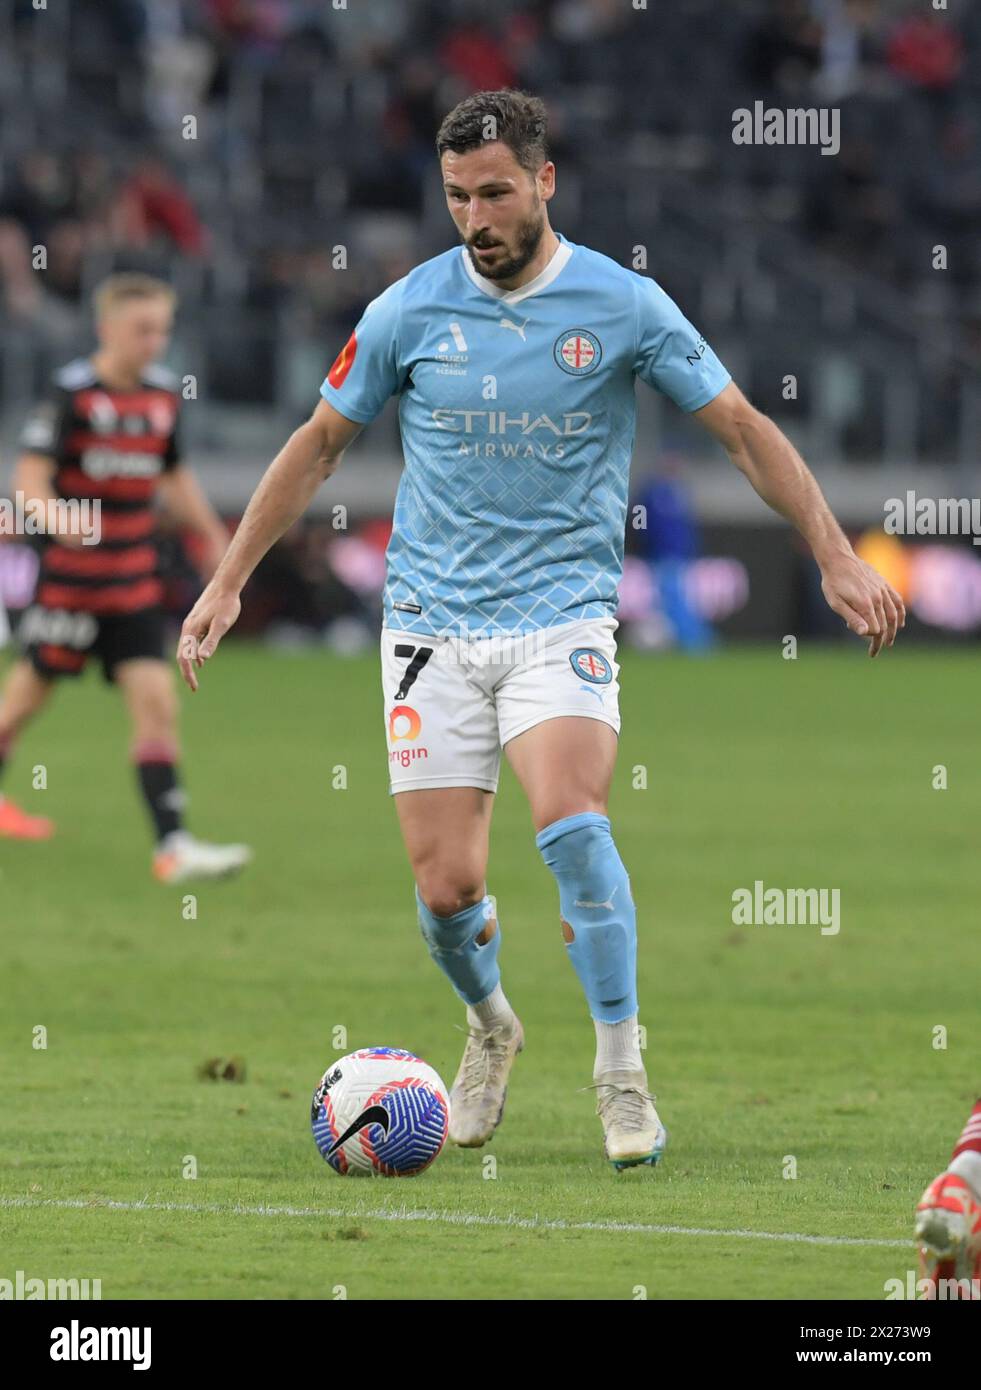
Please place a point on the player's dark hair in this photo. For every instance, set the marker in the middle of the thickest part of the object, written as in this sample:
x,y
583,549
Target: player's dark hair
x,y
515,118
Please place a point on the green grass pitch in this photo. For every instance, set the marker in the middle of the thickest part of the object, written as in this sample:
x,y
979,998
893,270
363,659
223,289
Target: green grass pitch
x,y
764,1043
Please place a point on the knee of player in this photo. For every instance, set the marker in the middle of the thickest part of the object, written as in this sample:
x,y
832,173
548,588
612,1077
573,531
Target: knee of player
x,y
24,696
447,894
13,719
580,844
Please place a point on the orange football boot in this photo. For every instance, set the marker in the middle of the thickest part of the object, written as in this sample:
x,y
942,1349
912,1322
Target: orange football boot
x,y
16,824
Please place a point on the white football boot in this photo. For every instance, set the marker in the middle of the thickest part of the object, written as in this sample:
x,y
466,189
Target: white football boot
x,y
180,858
948,1234
481,1086
633,1132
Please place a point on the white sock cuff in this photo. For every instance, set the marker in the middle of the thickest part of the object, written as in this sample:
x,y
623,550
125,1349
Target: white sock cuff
x,y
491,1011
617,1046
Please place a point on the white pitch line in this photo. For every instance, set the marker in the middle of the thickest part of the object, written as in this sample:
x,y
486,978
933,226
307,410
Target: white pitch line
x,y
451,1218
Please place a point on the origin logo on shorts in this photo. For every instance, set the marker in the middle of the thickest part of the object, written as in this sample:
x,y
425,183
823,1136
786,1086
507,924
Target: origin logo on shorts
x,y
404,722
591,666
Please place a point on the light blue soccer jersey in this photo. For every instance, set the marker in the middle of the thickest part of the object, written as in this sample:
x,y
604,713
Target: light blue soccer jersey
x,y
517,416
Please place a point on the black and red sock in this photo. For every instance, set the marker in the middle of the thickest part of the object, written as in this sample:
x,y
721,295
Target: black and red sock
x,y
156,768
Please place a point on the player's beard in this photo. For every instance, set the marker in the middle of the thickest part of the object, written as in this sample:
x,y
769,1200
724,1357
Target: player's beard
x,y
513,260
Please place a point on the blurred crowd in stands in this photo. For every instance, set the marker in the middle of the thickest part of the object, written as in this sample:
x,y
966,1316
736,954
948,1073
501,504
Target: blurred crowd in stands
x,y
251,150
233,144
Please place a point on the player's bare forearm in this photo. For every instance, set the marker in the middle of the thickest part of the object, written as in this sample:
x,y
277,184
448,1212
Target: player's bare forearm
x,y
282,496
34,479
853,589
309,456
781,477
185,502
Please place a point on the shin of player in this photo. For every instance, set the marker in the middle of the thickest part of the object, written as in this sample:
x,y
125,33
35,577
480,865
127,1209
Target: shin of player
x,y
466,947
599,926
24,695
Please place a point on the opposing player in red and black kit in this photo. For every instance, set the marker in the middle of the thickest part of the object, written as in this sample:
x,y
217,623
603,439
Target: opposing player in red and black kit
x,y
107,433
948,1221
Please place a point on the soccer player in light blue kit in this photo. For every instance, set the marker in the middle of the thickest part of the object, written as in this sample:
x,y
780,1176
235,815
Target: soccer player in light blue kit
x,y
514,358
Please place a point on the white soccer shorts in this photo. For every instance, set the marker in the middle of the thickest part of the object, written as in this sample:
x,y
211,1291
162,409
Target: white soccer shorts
x,y
452,703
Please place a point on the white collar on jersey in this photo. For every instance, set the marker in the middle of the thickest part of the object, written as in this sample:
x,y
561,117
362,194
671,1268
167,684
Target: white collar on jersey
x,y
545,277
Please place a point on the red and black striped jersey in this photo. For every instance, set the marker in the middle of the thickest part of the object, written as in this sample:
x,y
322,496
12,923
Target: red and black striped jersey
x,y
112,446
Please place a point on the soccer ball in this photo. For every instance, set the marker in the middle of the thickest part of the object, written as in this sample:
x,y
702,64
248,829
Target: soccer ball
x,y
380,1111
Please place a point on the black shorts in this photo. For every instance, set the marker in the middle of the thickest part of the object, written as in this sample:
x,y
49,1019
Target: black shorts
x,y
58,642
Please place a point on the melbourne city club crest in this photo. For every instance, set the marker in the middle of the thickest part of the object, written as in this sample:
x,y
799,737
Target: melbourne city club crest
x,y
591,666
577,351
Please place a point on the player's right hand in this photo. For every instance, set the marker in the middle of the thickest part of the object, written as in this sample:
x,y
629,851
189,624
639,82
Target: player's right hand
x,y
868,603
214,614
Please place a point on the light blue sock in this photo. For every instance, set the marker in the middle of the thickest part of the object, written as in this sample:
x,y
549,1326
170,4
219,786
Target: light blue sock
x,y
595,900
472,970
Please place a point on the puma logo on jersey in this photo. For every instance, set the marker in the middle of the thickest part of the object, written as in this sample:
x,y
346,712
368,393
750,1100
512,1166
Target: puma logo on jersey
x,y
519,328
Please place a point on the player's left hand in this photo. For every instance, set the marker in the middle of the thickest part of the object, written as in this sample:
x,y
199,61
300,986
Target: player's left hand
x,y
868,603
214,614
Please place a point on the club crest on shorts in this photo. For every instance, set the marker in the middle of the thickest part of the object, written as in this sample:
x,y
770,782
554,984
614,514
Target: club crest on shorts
x,y
577,351
591,665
